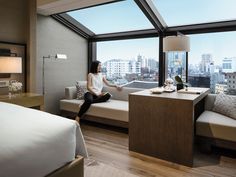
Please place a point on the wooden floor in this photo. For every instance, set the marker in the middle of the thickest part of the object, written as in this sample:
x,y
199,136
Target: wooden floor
x,y
110,146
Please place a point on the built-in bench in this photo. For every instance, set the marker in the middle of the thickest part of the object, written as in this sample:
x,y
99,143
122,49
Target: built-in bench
x,y
113,112
215,129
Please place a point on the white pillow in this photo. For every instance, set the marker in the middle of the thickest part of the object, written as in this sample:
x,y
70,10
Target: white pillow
x,y
81,89
226,105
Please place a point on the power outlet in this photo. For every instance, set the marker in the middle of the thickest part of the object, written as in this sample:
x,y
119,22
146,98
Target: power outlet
x,y
4,84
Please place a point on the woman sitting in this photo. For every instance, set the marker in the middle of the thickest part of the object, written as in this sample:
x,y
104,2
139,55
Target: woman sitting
x,y
95,85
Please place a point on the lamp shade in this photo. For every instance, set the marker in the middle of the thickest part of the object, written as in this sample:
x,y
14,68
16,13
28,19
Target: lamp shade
x,y
10,65
176,43
61,56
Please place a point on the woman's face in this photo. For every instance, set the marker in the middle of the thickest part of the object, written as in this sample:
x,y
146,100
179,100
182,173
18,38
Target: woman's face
x,y
99,68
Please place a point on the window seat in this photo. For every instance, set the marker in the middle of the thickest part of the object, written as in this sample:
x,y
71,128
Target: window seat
x,y
116,109
214,128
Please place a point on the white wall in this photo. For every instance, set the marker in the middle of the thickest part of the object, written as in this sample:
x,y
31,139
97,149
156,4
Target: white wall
x,y
52,38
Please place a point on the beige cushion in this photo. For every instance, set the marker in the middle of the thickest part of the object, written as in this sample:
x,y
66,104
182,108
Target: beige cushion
x,y
112,109
70,93
72,105
226,105
81,89
214,125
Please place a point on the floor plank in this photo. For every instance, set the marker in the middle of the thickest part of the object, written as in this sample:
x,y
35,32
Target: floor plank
x,y
111,147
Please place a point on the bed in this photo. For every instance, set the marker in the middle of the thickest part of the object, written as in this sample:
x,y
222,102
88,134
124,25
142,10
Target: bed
x,y
37,144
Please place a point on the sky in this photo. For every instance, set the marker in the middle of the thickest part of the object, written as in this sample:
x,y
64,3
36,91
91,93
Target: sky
x,y
125,16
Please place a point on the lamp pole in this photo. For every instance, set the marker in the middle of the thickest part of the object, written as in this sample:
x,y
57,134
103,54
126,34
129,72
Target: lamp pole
x,y
43,77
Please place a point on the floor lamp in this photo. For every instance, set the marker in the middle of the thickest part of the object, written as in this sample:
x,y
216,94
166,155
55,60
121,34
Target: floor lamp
x,y
57,56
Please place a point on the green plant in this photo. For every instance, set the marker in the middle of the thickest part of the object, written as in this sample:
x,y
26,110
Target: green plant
x,y
178,80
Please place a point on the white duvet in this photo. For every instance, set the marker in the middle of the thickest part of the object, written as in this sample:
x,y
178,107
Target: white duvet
x,y
34,143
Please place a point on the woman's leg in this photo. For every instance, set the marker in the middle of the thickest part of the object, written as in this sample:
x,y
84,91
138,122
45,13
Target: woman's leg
x,y
103,98
88,100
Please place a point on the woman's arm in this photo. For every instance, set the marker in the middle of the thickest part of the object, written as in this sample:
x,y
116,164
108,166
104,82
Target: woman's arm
x,y
110,85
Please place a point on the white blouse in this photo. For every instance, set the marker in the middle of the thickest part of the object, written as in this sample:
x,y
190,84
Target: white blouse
x,y
97,83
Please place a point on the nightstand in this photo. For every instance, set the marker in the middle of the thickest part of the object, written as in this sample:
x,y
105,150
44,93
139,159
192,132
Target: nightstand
x,y
30,100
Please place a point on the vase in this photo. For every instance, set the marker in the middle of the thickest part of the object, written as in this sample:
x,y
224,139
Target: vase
x,y
179,86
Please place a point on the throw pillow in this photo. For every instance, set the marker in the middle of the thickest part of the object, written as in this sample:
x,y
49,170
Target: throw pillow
x,y
226,105
81,89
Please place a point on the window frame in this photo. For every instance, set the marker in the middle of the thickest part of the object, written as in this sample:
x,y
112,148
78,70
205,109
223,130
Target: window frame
x,y
161,30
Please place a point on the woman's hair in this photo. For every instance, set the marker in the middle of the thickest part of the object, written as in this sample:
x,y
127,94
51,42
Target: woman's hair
x,y
94,67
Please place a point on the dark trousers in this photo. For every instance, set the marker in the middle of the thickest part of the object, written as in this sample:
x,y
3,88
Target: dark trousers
x,y
90,99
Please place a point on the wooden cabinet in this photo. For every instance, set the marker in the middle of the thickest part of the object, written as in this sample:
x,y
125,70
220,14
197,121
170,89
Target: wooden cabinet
x,y
162,125
30,100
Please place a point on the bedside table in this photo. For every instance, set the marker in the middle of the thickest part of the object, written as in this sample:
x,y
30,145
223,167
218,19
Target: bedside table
x,y
30,100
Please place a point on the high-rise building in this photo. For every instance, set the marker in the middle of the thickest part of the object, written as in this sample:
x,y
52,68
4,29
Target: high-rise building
x,y
215,78
152,64
229,65
231,83
142,60
176,64
117,68
220,88
135,67
206,63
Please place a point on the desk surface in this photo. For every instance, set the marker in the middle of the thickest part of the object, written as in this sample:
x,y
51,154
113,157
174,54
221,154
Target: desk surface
x,y
174,95
16,96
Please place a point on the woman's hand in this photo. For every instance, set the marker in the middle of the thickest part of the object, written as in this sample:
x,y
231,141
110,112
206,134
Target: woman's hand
x,y
119,88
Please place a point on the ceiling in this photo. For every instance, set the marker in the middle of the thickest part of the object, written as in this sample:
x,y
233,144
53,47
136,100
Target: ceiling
x,y
49,7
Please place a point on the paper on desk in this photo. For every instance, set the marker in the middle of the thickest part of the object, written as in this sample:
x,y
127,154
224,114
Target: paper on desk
x,y
190,91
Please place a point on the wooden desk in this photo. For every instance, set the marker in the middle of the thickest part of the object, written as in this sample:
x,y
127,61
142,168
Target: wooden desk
x,y
162,125
30,100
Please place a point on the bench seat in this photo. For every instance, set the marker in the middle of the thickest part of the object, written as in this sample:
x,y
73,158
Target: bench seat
x,y
117,109
113,112
215,129
214,125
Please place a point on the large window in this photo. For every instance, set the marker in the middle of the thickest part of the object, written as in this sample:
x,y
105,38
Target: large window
x,y
183,12
114,17
126,61
212,61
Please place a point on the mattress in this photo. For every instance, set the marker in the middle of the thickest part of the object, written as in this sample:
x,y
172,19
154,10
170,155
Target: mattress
x,y
34,143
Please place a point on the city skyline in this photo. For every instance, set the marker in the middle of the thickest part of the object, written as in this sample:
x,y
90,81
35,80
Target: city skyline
x,y
219,45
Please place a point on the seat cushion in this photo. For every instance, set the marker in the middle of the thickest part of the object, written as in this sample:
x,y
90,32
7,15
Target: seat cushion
x,y
72,105
226,105
215,125
112,109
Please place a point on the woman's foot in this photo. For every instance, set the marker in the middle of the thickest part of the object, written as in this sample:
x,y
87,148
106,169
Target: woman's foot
x,y
77,119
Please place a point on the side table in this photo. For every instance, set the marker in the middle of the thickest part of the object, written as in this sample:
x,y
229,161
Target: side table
x,y
30,100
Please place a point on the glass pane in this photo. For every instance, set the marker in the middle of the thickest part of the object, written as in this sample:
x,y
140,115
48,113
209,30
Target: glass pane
x,y
125,62
176,13
212,62
176,65
114,17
